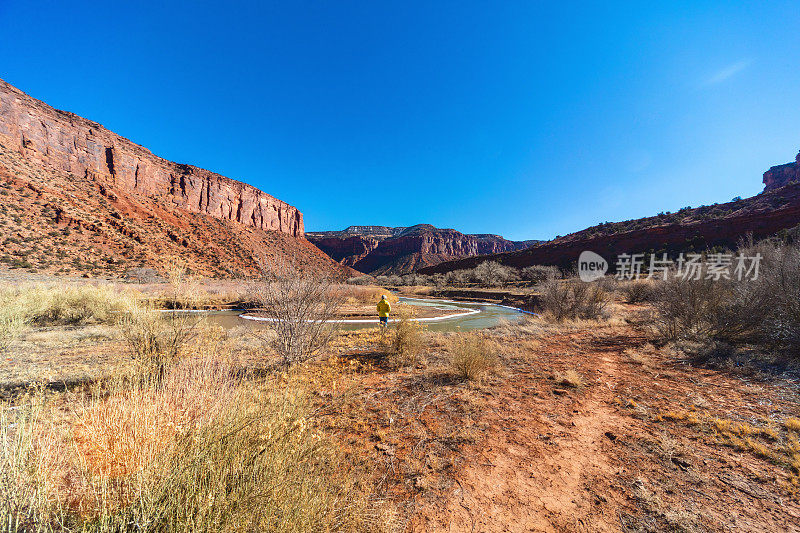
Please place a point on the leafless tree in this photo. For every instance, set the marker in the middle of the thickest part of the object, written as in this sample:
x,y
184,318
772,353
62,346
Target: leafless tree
x,y
302,307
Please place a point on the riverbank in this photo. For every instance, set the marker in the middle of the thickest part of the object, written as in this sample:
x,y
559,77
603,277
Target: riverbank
x,y
525,299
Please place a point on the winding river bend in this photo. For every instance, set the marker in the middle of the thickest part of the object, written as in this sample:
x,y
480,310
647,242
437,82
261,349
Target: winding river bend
x,y
473,316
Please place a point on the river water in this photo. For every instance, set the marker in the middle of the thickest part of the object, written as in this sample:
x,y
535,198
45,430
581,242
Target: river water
x,y
482,315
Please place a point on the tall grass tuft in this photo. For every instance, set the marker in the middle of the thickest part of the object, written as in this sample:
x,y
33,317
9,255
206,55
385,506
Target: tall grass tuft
x,y
472,355
65,304
195,451
408,340
11,326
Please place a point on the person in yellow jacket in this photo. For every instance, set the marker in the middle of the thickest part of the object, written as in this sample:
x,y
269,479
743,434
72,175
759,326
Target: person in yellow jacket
x,y
383,311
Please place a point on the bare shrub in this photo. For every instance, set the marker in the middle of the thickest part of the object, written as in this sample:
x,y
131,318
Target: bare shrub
x,y
764,311
302,307
636,291
459,278
156,337
493,274
361,280
539,273
394,279
572,299
408,340
775,295
472,355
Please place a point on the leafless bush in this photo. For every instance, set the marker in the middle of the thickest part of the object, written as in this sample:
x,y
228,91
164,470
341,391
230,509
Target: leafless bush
x,y
637,291
571,299
301,307
156,337
459,278
764,311
539,273
493,274
361,280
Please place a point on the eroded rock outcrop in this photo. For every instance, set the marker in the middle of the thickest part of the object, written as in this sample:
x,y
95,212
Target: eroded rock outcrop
x,y
79,146
781,175
385,250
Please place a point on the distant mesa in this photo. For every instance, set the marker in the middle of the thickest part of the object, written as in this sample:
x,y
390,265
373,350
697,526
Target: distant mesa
x,y
388,250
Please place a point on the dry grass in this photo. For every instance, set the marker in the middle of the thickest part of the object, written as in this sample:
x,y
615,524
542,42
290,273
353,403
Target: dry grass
x,y
65,304
792,424
198,450
11,326
765,441
568,378
408,340
472,355
360,294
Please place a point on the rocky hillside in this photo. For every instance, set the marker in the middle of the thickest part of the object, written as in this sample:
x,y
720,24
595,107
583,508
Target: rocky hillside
x,y
385,250
78,198
720,225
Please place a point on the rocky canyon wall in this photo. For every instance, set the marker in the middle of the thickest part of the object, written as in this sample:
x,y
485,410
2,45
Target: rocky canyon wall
x,y
74,144
781,175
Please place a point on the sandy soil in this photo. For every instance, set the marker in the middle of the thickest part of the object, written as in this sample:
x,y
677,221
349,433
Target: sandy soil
x,y
635,448
645,441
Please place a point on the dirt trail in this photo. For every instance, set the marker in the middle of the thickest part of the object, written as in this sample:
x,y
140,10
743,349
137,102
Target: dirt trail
x,y
543,463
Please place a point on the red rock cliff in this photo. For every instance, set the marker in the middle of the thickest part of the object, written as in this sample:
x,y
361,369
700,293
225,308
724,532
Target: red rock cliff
x,y
780,175
82,147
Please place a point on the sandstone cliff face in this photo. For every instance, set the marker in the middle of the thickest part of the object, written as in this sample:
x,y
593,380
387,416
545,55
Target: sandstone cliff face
x,y
79,146
781,175
383,250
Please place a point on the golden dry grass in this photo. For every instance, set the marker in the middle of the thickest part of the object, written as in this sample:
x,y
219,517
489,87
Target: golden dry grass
x,y
65,304
364,294
568,378
199,450
472,356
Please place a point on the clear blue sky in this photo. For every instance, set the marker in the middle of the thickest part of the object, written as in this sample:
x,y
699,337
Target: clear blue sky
x,y
527,119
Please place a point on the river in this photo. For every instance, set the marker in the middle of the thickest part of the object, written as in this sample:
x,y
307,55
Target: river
x,y
481,315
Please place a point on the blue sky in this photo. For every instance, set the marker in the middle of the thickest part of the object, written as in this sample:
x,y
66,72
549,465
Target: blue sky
x,y
527,119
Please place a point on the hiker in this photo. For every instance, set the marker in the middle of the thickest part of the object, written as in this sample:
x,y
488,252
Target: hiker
x,y
383,310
